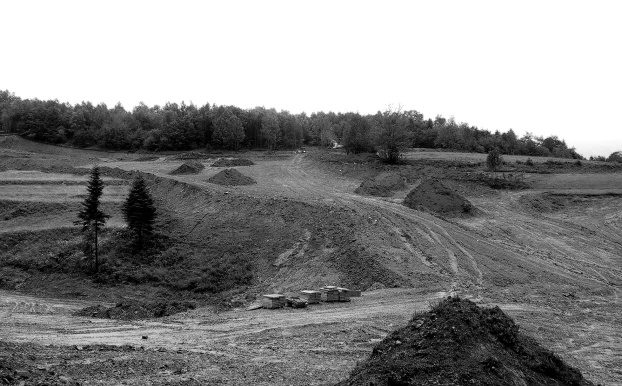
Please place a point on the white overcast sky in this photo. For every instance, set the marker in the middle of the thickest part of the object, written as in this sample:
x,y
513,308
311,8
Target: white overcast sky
x,y
547,67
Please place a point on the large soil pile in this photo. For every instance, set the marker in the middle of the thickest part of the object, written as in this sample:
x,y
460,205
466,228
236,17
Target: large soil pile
x,y
383,185
231,177
136,310
225,162
458,343
190,167
433,195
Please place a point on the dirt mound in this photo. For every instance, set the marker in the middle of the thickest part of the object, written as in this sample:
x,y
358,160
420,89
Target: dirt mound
x,y
136,310
433,195
228,162
190,167
383,185
231,177
189,155
458,343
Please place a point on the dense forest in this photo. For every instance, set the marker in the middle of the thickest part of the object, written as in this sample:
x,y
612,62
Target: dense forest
x,y
184,127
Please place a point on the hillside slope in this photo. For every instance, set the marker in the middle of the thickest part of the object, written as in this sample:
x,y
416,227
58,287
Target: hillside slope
x,y
301,226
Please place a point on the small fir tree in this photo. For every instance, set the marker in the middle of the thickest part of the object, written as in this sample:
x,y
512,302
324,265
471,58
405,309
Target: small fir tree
x,y
139,211
90,217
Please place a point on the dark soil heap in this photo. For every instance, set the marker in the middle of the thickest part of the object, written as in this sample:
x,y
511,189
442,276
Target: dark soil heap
x,y
190,155
433,195
190,167
136,310
458,343
383,185
223,162
230,177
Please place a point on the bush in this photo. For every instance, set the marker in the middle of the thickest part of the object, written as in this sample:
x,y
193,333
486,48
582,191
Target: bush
x,y
494,159
529,162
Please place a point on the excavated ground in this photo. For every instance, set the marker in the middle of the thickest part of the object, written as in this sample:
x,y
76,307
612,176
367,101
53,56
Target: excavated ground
x,y
556,271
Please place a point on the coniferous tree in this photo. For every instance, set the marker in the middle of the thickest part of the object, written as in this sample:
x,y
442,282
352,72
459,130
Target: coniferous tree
x,y
90,216
139,211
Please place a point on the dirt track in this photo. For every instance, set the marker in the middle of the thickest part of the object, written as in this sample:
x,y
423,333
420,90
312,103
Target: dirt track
x,y
556,269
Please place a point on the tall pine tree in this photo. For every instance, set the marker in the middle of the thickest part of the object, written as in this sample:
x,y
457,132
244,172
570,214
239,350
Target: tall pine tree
x,y
139,211
90,216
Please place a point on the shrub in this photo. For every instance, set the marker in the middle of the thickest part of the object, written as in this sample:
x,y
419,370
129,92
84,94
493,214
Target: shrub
x,y
494,159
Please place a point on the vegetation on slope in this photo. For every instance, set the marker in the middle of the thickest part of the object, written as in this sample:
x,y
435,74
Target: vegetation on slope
x,y
184,127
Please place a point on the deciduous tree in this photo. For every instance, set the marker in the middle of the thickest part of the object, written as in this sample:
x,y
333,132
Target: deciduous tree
x,y
270,129
228,130
392,135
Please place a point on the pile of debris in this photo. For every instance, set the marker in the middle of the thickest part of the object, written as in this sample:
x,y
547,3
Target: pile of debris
x,y
190,167
228,162
130,310
459,343
382,185
231,177
433,195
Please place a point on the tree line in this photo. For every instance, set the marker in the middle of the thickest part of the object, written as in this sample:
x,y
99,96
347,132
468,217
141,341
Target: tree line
x,y
187,126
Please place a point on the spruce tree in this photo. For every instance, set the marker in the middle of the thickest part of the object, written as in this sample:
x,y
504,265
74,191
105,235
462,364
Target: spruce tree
x,y
90,216
139,211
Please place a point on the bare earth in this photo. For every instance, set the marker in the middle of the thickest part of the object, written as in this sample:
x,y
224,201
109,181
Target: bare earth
x,y
550,256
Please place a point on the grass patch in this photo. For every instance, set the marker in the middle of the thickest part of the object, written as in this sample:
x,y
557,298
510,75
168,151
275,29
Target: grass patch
x,y
161,262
